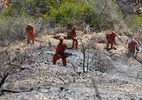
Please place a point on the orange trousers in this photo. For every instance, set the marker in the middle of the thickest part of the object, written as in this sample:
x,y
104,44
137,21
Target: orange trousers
x,y
56,57
30,37
74,42
111,43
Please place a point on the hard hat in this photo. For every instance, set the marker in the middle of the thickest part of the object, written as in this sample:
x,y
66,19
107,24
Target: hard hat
x,y
113,31
133,39
74,27
29,24
61,38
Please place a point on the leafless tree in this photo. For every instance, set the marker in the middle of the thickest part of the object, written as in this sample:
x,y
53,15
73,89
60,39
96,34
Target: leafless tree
x,y
87,49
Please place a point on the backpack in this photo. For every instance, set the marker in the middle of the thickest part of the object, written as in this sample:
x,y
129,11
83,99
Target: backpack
x,y
107,36
65,54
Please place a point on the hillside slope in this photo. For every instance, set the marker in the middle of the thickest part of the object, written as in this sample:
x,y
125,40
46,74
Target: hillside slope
x,y
111,76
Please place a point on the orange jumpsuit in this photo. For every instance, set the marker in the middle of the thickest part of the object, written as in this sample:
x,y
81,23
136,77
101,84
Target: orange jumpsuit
x,y
30,33
110,38
74,41
61,47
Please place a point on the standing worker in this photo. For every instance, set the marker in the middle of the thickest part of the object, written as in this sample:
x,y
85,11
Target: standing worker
x,y
30,33
110,39
73,36
132,46
60,49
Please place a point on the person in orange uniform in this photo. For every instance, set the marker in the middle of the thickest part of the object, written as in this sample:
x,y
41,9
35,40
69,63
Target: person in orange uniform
x,y
132,46
30,33
61,47
73,36
111,39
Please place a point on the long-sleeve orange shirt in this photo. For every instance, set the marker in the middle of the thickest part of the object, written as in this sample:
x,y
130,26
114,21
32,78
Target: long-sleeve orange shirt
x,y
29,29
111,36
61,47
30,33
132,44
73,34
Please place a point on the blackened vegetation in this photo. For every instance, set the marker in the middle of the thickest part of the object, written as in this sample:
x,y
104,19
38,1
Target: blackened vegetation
x,y
16,66
2,90
2,82
11,68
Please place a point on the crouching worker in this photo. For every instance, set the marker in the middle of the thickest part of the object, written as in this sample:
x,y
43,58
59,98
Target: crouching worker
x,y
30,33
60,52
132,46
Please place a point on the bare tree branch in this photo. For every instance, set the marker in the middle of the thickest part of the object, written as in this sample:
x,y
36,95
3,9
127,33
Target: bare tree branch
x,y
3,79
12,64
13,91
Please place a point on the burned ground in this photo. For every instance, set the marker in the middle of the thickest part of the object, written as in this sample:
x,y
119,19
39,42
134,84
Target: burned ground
x,y
29,72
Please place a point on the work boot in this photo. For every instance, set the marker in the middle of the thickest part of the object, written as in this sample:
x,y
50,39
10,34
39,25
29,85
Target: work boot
x,y
72,47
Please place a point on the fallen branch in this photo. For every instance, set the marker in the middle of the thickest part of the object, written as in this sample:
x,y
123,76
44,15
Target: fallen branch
x,y
62,80
13,91
138,60
16,91
114,54
119,38
18,66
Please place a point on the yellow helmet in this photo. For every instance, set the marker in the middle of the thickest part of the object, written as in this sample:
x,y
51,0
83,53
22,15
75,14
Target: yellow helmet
x,y
61,38
74,27
113,31
29,25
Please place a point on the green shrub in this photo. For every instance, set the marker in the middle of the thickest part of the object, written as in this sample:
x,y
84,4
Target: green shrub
x,y
92,12
99,14
135,24
69,12
14,28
